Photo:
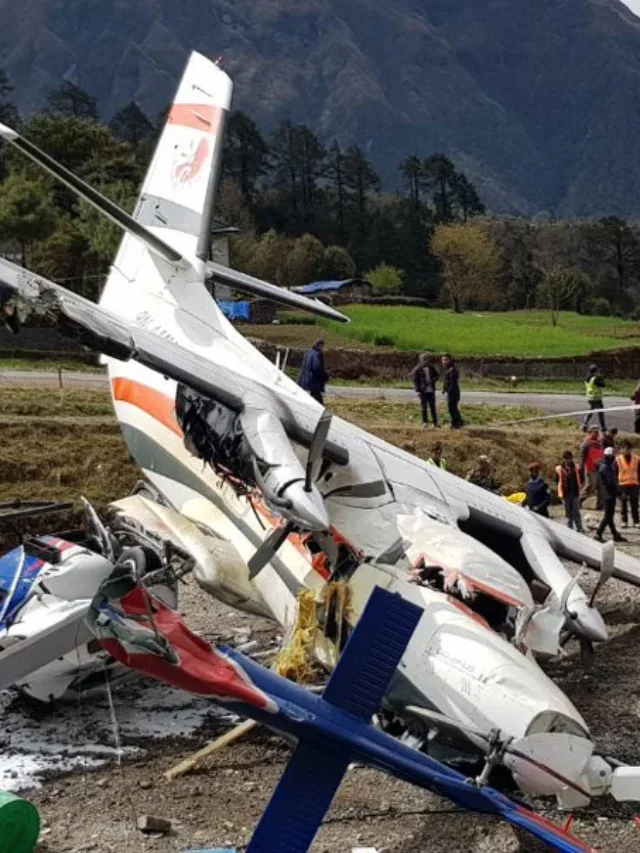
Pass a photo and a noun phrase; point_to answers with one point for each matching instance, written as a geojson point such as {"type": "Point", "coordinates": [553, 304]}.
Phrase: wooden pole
{"type": "Point", "coordinates": [194, 760]}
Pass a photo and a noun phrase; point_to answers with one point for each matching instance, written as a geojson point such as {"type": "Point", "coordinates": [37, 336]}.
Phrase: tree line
{"type": "Point", "coordinates": [309, 209]}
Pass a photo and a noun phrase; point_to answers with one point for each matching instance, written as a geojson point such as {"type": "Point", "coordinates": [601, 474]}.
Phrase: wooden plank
{"type": "Point", "coordinates": [191, 763]}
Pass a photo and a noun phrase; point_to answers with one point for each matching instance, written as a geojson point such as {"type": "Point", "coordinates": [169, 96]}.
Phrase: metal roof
{"type": "Point", "coordinates": [323, 286]}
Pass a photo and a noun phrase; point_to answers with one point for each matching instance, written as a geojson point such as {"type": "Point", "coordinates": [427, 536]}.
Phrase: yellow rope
{"type": "Point", "coordinates": [295, 662]}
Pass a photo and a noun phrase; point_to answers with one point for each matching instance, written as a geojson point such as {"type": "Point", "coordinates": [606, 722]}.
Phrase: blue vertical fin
{"type": "Point", "coordinates": [372, 654]}
{"type": "Point", "coordinates": [313, 775]}
{"type": "Point", "coordinates": [301, 800]}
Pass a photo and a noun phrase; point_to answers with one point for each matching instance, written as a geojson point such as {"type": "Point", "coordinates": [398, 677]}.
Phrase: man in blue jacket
{"type": "Point", "coordinates": [538, 496]}
{"type": "Point", "coordinates": [313, 376]}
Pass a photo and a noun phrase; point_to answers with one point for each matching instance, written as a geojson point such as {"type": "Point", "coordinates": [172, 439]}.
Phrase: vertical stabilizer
{"type": "Point", "coordinates": [175, 205]}
{"type": "Point", "coordinates": [178, 192]}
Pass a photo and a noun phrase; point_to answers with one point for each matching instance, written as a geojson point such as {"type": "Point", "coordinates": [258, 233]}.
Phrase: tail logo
{"type": "Point", "coordinates": [189, 165]}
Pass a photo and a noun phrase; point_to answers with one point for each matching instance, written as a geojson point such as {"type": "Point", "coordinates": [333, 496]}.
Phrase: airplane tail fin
{"type": "Point", "coordinates": [178, 192]}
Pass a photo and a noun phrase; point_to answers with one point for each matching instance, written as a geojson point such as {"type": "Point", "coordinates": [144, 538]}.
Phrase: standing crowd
{"type": "Point", "coordinates": [609, 473]}
{"type": "Point", "coordinates": [605, 471]}
{"type": "Point", "coordinates": [425, 378]}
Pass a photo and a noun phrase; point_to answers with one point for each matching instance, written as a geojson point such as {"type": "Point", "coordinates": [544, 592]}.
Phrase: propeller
{"type": "Point", "coordinates": [276, 538]}
{"type": "Point", "coordinates": [316, 449]}
{"type": "Point", "coordinates": [270, 546]}
{"type": "Point", "coordinates": [497, 748]}
{"type": "Point", "coordinates": [607, 561]}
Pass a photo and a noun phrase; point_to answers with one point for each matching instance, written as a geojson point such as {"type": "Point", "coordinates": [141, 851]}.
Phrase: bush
{"type": "Point", "coordinates": [296, 319]}
{"type": "Point", "coordinates": [384, 341]}
{"type": "Point", "coordinates": [386, 279]}
{"type": "Point", "coordinates": [598, 307]}
{"type": "Point", "coordinates": [414, 301]}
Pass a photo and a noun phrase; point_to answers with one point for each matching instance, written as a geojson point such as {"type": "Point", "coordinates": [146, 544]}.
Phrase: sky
{"type": "Point", "coordinates": [634, 5]}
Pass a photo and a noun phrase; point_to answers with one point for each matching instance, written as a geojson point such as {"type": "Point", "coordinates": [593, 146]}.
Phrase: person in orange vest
{"type": "Point", "coordinates": [569, 484]}
{"type": "Point", "coordinates": [591, 455]}
{"type": "Point", "coordinates": [629, 481]}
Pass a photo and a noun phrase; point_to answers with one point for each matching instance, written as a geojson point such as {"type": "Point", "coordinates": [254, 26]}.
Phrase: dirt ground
{"type": "Point", "coordinates": [95, 810]}
{"type": "Point", "coordinates": [220, 804]}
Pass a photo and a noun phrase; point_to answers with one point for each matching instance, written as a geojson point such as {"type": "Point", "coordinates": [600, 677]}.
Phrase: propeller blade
{"type": "Point", "coordinates": [516, 753]}
{"type": "Point", "coordinates": [316, 449]}
{"type": "Point", "coordinates": [606, 568]}
{"type": "Point", "coordinates": [267, 551]}
{"type": "Point", "coordinates": [566, 592]}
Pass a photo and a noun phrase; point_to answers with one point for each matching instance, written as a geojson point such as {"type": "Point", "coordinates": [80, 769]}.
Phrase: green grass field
{"type": "Point", "coordinates": [517, 333]}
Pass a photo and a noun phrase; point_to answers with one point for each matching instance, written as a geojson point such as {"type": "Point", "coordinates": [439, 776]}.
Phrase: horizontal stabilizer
{"type": "Point", "coordinates": [254, 286]}
{"type": "Point", "coordinates": [67, 633]}
{"type": "Point", "coordinates": [104, 205]}
{"type": "Point", "coordinates": [372, 654]}
{"type": "Point", "coordinates": [300, 802]}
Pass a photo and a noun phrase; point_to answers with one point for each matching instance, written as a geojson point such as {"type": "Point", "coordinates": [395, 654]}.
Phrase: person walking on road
{"type": "Point", "coordinates": [425, 378]}
{"type": "Point", "coordinates": [610, 489]}
{"type": "Point", "coordinates": [451, 387]}
{"type": "Point", "coordinates": [635, 399]}
{"type": "Point", "coordinates": [313, 376]}
{"type": "Point", "coordinates": [594, 385]}
{"type": "Point", "coordinates": [629, 482]}
{"type": "Point", "coordinates": [437, 459]}
{"type": "Point", "coordinates": [590, 458]}
{"type": "Point", "coordinates": [538, 497]}
{"type": "Point", "coordinates": [569, 484]}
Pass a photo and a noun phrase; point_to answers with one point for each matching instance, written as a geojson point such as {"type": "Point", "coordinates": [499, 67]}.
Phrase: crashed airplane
{"type": "Point", "coordinates": [237, 454]}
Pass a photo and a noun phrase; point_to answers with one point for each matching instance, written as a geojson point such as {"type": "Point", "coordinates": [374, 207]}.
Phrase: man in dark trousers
{"type": "Point", "coordinates": [569, 484]}
{"type": "Point", "coordinates": [594, 384]}
{"type": "Point", "coordinates": [313, 376]}
{"type": "Point", "coordinates": [425, 378]}
{"type": "Point", "coordinates": [451, 387]}
{"type": "Point", "coordinates": [538, 496]}
{"type": "Point", "coordinates": [635, 399]}
{"type": "Point", "coordinates": [609, 489]}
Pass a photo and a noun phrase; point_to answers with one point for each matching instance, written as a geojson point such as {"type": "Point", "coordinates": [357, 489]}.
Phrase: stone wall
{"type": "Point", "coordinates": [394, 365]}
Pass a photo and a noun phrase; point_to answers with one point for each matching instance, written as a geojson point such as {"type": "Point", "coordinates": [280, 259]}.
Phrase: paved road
{"type": "Point", "coordinates": [550, 403]}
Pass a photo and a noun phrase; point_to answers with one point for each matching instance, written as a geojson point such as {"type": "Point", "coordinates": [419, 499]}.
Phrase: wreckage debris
{"type": "Point", "coordinates": [19, 824]}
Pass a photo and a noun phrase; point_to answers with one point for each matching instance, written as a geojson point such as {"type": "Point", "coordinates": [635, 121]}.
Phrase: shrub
{"type": "Point", "coordinates": [384, 341]}
{"type": "Point", "coordinates": [386, 279]}
{"type": "Point", "coordinates": [296, 319]}
{"type": "Point", "coordinates": [598, 307]}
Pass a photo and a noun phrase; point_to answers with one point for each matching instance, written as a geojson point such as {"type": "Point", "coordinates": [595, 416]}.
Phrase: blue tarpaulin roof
{"type": "Point", "coordinates": [323, 286]}
{"type": "Point", "coordinates": [235, 310]}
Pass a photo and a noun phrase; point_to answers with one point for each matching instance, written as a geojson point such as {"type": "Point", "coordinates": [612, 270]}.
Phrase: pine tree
{"type": "Point", "coordinates": [245, 158]}
{"type": "Point", "coordinates": [67, 99]}
{"type": "Point", "coordinates": [132, 126]}
{"type": "Point", "coordinates": [439, 175]}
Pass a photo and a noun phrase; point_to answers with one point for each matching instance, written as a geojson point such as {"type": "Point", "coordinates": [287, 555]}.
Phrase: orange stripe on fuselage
{"type": "Point", "coordinates": [202, 117]}
{"type": "Point", "coordinates": [154, 403]}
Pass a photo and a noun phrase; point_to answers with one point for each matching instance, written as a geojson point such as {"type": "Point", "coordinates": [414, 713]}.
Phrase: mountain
{"type": "Point", "coordinates": [538, 101]}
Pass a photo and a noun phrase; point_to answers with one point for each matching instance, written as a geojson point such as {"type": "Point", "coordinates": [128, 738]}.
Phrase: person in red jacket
{"type": "Point", "coordinates": [591, 455]}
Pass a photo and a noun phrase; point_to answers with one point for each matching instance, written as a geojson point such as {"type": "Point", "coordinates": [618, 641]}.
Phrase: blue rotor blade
{"type": "Point", "coordinates": [300, 802]}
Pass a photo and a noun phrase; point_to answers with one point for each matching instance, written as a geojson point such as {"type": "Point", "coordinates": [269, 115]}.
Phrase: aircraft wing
{"type": "Point", "coordinates": [24, 295]}
{"type": "Point", "coordinates": [581, 549]}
